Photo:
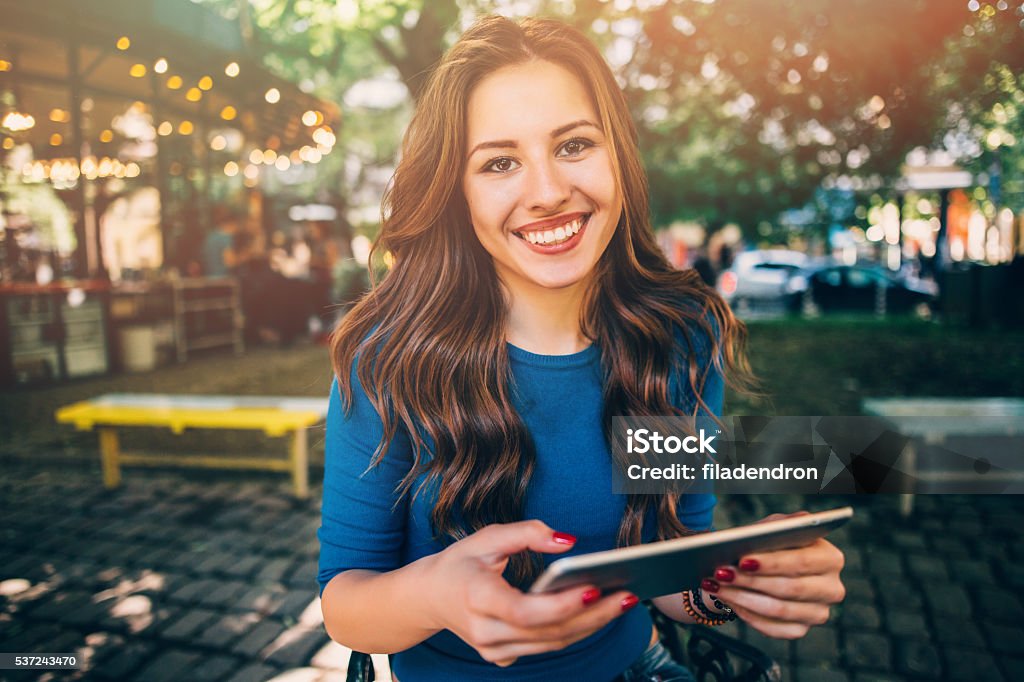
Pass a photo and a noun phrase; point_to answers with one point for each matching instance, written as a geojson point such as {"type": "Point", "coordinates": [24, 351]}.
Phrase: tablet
{"type": "Point", "coordinates": [669, 566]}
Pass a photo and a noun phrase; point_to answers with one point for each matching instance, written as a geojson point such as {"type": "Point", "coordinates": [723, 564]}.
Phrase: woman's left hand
{"type": "Point", "coordinates": [785, 592]}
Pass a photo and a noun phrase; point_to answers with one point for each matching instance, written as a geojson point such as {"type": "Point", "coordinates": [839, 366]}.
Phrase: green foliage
{"type": "Point", "coordinates": [982, 79]}
{"type": "Point", "coordinates": [744, 107]}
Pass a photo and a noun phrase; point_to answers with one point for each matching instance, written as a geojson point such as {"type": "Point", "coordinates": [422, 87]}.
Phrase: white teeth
{"type": "Point", "coordinates": [559, 234]}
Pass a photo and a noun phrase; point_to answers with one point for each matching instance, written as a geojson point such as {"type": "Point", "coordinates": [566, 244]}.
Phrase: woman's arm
{"type": "Point", "coordinates": [462, 589]}
{"type": "Point", "coordinates": [379, 612]}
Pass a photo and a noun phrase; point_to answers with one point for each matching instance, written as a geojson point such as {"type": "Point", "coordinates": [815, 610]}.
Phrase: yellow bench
{"type": "Point", "coordinates": [275, 416]}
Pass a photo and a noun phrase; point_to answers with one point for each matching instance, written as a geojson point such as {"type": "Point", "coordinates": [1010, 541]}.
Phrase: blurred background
{"type": "Point", "coordinates": [189, 190]}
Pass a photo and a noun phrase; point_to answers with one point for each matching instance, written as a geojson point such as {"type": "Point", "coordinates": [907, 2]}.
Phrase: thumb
{"type": "Point", "coordinates": [501, 540]}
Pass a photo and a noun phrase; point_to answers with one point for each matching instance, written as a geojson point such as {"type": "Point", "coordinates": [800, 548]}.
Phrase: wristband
{"type": "Point", "coordinates": [698, 618]}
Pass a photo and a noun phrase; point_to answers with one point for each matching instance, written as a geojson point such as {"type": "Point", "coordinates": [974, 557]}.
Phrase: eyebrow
{"type": "Point", "coordinates": [511, 144]}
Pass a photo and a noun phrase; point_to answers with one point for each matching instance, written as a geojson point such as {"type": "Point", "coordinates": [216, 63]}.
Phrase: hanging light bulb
{"type": "Point", "coordinates": [17, 122]}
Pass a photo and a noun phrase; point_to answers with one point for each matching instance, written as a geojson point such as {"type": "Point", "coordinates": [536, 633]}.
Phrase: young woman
{"type": "Point", "coordinates": [467, 440]}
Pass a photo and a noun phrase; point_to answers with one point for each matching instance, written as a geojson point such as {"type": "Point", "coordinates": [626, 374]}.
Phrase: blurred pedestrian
{"type": "Point", "coordinates": [219, 251]}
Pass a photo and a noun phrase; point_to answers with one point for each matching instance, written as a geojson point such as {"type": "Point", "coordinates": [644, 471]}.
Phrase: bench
{"type": "Point", "coordinates": [275, 416]}
{"type": "Point", "coordinates": [937, 422]}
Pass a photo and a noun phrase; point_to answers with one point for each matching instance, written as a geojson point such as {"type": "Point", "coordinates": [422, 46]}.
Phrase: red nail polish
{"type": "Point", "coordinates": [591, 596]}
{"type": "Point", "coordinates": [709, 585]}
{"type": "Point", "coordinates": [750, 565]}
{"type": "Point", "coordinates": [726, 575]}
{"type": "Point", "coordinates": [629, 602]}
{"type": "Point", "coordinates": [564, 538]}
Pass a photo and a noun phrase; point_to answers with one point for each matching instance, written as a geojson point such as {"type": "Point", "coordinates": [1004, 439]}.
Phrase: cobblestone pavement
{"type": "Point", "coordinates": [210, 576]}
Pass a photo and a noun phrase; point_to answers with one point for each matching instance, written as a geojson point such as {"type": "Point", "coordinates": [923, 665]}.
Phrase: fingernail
{"type": "Point", "coordinates": [750, 565]}
{"type": "Point", "coordinates": [709, 585]}
{"type": "Point", "coordinates": [726, 575]}
{"type": "Point", "coordinates": [564, 539]}
{"type": "Point", "coordinates": [629, 602]}
{"type": "Point", "coordinates": [591, 596]}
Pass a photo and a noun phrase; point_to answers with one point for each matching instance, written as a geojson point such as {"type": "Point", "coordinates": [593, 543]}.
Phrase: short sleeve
{"type": "Point", "coordinates": [360, 525]}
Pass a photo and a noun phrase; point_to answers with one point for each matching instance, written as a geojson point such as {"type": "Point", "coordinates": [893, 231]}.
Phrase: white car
{"type": "Point", "coordinates": [758, 278]}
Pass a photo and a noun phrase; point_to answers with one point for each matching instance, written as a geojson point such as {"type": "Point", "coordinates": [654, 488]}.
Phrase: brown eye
{"type": "Point", "coordinates": [575, 147]}
{"type": "Point", "coordinates": [501, 165]}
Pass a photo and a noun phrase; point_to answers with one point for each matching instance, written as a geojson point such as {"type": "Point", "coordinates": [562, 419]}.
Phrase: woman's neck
{"type": "Point", "coordinates": [547, 322]}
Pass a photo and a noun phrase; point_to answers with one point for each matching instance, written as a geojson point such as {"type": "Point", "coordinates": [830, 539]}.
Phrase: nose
{"type": "Point", "coordinates": [547, 189]}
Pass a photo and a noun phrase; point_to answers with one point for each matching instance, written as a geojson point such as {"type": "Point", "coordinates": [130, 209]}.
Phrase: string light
{"type": "Point", "coordinates": [5, 65]}
{"type": "Point", "coordinates": [256, 156]}
{"type": "Point", "coordinates": [309, 119]}
{"type": "Point", "coordinates": [59, 116]}
{"type": "Point", "coordinates": [165, 129]}
{"type": "Point", "coordinates": [231, 169]}
{"type": "Point", "coordinates": [273, 95]}
{"type": "Point", "coordinates": [205, 83]}
{"type": "Point", "coordinates": [283, 163]}
{"type": "Point", "coordinates": [56, 140]}
{"type": "Point", "coordinates": [123, 43]}
{"type": "Point", "coordinates": [8, 143]}
{"type": "Point", "coordinates": [194, 94]}
{"type": "Point", "coordinates": [160, 66]}
{"type": "Point", "coordinates": [106, 136]}
{"type": "Point", "coordinates": [17, 122]}
{"type": "Point", "coordinates": [252, 171]}
{"type": "Point", "coordinates": [218, 143]}
{"type": "Point", "coordinates": [132, 170]}
{"type": "Point", "coordinates": [232, 69]}
{"type": "Point", "coordinates": [185, 127]}
{"type": "Point", "coordinates": [269, 156]}
{"type": "Point", "coordinates": [228, 113]}
{"type": "Point", "coordinates": [174, 82]}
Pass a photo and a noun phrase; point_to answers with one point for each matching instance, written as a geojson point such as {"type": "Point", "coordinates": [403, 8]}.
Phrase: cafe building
{"type": "Point", "coordinates": [123, 125]}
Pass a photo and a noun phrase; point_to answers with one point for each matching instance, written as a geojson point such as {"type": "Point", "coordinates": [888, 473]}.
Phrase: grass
{"type": "Point", "coordinates": [827, 366]}
{"type": "Point", "coordinates": [808, 367]}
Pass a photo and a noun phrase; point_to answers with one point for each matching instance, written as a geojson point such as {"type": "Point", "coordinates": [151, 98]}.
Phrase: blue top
{"type": "Point", "coordinates": [560, 399]}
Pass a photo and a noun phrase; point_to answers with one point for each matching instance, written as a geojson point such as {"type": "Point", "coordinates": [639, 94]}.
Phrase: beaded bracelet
{"type": "Point", "coordinates": [727, 612]}
{"type": "Point", "coordinates": [722, 606]}
{"type": "Point", "coordinates": [698, 602]}
{"type": "Point", "coordinates": [698, 618]}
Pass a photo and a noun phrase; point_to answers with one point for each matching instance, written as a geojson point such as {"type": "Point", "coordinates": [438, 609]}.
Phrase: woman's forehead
{"type": "Point", "coordinates": [524, 101]}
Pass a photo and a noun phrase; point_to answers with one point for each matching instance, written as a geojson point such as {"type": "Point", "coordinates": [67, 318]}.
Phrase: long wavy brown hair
{"type": "Point", "coordinates": [428, 340]}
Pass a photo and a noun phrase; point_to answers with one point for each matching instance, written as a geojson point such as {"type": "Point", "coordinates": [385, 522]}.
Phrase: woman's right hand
{"type": "Point", "coordinates": [468, 595]}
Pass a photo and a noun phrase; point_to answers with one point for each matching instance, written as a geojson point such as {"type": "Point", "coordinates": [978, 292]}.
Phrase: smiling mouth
{"type": "Point", "coordinates": [556, 235]}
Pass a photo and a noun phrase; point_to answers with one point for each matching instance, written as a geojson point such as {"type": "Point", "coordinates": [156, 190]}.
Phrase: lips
{"type": "Point", "coordinates": [553, 231]}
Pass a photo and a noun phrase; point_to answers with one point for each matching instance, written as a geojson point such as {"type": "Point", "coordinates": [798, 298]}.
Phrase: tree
{"type": "Point", "coordinates": [746, 106]}
{"type": "Point", "coordinates": [982, 81]}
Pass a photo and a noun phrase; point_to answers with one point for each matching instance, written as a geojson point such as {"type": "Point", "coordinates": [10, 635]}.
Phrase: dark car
{"type": "Point", "coordinates": [858, 289]}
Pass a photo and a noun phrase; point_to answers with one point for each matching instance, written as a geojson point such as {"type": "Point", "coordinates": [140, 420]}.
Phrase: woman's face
{"type": "Point", "coordinates": [539, 179]}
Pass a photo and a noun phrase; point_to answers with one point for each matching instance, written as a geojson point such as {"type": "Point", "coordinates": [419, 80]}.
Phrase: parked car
{"type": "Point", "coordinates": [758, 278]}
{"type": "Point", "coordinates": [858, 288]}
